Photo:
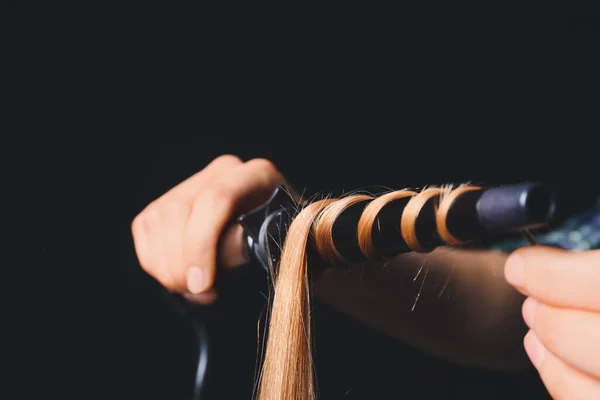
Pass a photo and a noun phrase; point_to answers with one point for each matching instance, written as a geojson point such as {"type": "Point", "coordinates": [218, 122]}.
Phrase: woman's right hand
{"type": "Point", "coordinates": [183, 236]}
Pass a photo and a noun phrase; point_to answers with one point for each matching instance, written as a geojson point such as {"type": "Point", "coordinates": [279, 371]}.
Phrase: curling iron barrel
{"type": "Point", "coordinates": [416, 222]}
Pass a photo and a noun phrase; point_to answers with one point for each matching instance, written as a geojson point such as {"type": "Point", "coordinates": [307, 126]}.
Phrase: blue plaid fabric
{"type": "Point", "coordinates": [581, 232]}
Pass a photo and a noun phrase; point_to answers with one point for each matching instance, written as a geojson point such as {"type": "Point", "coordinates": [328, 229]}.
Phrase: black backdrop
{"type": "Point", "coordinates": [111, 106]}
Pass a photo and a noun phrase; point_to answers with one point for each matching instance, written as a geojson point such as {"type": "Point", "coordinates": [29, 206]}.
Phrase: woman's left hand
{"type": "Point", "coordinates": [562, 311]}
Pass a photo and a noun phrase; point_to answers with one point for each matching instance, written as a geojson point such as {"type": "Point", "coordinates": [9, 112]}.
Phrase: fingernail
{"type": "Point", "coordinates": [196, 280]}
{"type": "Point", "coordinates": [513, 270]}
{"type": "Point", "coordinates": [202, 298]}
{"type": "Point", "coordinates": [529, 307]}
{"type": "Point", "coordinates": [534, 348]}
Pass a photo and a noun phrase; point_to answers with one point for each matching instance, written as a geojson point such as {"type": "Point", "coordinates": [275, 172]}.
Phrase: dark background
{"type": "Point", "coordinates": [111, 105]}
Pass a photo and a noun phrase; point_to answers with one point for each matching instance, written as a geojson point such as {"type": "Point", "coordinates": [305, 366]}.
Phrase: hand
{"type": "Point", "coordinates": [563, 313]}
{"type": "Point", "coordinates": [180, 239]}
{"type": "Point", "coordinates": [416, 297]}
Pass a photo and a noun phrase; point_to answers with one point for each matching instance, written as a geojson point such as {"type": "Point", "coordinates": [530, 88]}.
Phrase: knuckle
{"type": "Point", "coordinates": [142, 221]}
{"type": "Point", "coordinates": [141, 228]}
{"type": "Point", "coordinates": [228, 158]}
{"type": "Point", "coordinates": [263, 164]}
{"type": "Point", "coordinates": [151, 212]}
{"type": "Point", "coordinates": [266, 168]}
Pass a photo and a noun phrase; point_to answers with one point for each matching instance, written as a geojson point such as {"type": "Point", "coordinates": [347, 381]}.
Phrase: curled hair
{"type": "Point", "coordinates": [368, 220]}
{"type": "Point", "coordinates": [323, 227]}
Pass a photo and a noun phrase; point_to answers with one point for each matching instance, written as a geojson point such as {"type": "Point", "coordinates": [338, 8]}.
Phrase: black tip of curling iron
{"type": "Point", "coordinates": [521, 206]}
{"type": "Point", "coordinates": [501, 209]}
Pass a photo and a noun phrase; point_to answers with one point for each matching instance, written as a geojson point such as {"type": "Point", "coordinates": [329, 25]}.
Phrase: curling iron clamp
{"type": "Point", "coordinates": [472, 214]}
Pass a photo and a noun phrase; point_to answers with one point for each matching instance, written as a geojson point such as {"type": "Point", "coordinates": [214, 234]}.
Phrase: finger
{"type": "Point", "coordinates": [232, 253]}
{"type": "Point", "coordinates": [232, 248]}
{"type": "Point", "coordinates": [572, 335]}
{"type": "Point", "coordinates": [240, 189]}
{"type": "Point", "coordinates": [166, 242]}
{"type": "Point", "coordinates": [558, 277]}
{"type": "Point", "coordinates": [155, 233]}
{"type": "Point", "coordinates": [561, 380]}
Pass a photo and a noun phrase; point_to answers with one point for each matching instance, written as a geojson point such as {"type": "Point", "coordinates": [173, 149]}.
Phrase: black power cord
{"type": "Point", "coordinates": [247, 280]}
{"type": "Point", "coordinates": [203, 357]}
{"type": "Point", "coordinates": [194, 314]}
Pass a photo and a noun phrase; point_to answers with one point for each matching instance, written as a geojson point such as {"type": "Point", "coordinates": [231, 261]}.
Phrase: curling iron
{"type": "Point", "coordinates": [471, 214]}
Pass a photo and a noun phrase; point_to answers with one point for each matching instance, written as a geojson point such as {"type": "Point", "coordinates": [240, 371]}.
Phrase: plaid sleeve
{"type": "Point", "coordinates": [581, 232]}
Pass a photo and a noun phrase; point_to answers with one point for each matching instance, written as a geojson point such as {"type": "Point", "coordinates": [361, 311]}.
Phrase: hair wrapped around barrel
{"type": "Point", "coordinates": [361, 227]}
